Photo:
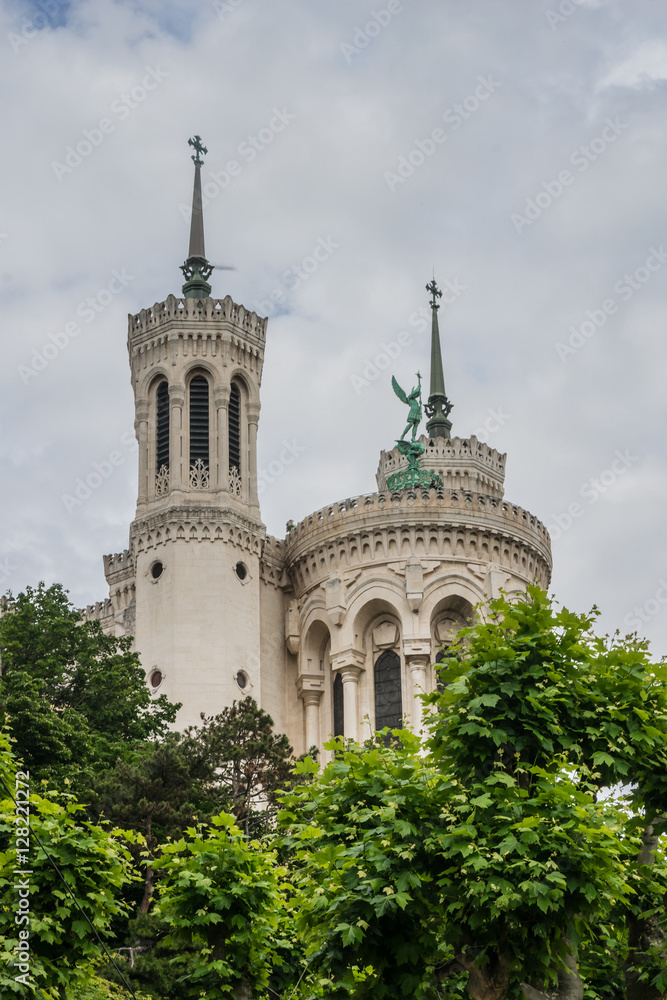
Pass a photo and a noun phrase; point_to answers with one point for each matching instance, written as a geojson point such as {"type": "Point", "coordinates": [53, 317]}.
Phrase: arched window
{"type": "Point", "coordinates": [235, 429]}
{"type": "Point", "coordinates": [162, 442]}
{"type": "Point", "coordinates": [199, 453]}
{"type": "Point", "coordinates": [440, 683]}
{"type": "Point", "coordinates": [338, 710]}
{"type": "Point", "coordinates": [388, 701]}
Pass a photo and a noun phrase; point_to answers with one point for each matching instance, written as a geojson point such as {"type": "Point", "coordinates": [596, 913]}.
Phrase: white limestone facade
{"type": "Point", "coordinates": [335, 628]}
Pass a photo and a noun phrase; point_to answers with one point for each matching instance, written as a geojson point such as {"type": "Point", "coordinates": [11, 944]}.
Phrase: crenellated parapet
{"type": "Point", "coordinates": [183, 313]}
{"type": "Point", "coordinates": [118, 567]}
{"type": "Point", "coordinates": [272, 564]}
{"type": "Point", "coordinates": [446, 525]}
{"type": "Point", "coordinates": [462, 464]}
{"type": "Point", "coordinates": [101, 611]}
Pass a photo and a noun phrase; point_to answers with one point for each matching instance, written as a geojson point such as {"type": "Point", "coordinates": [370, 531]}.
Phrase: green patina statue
{"type": "Point", "coordinates": [414, 401]}
{"type": "Point", "coordinates": [414, 475]}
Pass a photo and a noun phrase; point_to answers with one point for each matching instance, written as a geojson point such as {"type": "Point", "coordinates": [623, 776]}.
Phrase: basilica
{"type": "Point", "coordinates": [333, 629]}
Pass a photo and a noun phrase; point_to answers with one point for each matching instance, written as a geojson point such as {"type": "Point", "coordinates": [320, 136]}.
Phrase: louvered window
{"type": "Point", "coordinates": [338, 713]}
{"type": "Point", "coordinates": [235, 429]}
{"type": "Point", "coordinates": [388, 702]}
{"type": "Point", "coordinates": [162, 444]}
{"type": "Point", "coordinates": [199, 421]}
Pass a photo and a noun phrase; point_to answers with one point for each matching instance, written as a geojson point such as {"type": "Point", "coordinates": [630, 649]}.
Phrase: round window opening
{"type": "Point", "coordinates": [241, 570]}
{"type": "Point", "coordinates": [157, 569]}
{"type": "Point", "coordinates": [156, 678]}
{"type": "Point", "coordinates": [242, 679]}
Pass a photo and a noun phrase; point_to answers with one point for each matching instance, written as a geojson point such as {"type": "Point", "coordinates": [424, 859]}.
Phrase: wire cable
{"type": "Point", "coordinates": [76, 902]}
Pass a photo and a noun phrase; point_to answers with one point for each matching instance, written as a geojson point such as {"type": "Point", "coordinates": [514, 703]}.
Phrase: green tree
{"type": "Point", "coordinates": [495, 860]}
{"type": "Point", "coordinates": [232, 762]}
{"type": "Point", "coordinates": [223, 894]}
{"type": "Point", "coordinates": [533, 688]}
{"type": "Point", "coordinates": [74, 698]}
{"type": "Point", "coordinates": [36, 908]}
{"type": "Point", "coordinates": [251, 762]}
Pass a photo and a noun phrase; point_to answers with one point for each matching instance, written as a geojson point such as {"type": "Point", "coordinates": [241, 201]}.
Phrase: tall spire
{"type": "Point", "coordinates": [438, 406]}
{"type": "Point", "coordinates": [197, 269]}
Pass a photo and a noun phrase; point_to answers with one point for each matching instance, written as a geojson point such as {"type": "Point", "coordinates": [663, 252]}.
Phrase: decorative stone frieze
{"type": "Point", "coordinates": [438, 524]}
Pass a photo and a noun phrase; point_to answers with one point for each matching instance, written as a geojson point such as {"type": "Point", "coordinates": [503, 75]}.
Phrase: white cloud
{"type": "Point", "coordinates": [323, 176]}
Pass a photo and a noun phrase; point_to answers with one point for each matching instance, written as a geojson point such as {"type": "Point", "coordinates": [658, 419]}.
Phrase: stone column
{"type": "Point", "coordinates": [311, 688]}
{"type": "Point", "coordinates": [349, 663]}
{"type": "Point", "coordinates": [176, 443]}
{"type": "Point", "coordinates": [418, 665]}
{"type": "Point", "coordinates": [221, 403]}
{"type": "Point", "coordinates": [350, 677]}
{"type": "Point", "coordinates": [417, 652]}
{"type": "Point", "coordinates": [141, 431]}
{"type": "Point", "coordinates": [253, 420]}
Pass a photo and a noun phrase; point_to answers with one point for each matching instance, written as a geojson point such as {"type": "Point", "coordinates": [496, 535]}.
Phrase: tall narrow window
{"type": "Point", "coordinates": [199, 457]}
{"type": "Point", "coordinates": [162, 439]}
{"type": "Point", "coordinates": [388, 702]}
{"type": "Point", "coordinates": [338, 712]}
{"type": "Point", "coordinates": [235, 428]}
{"type": "Point", "coordinates": [235, 481]}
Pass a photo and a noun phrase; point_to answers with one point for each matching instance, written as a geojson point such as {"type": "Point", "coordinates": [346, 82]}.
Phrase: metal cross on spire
{"type": "Point", "coordinates": [196, 144]}
{"type": "Point", "coordinates": [435, 293]}
{"type": "Point", "coordinates": [197, 269]}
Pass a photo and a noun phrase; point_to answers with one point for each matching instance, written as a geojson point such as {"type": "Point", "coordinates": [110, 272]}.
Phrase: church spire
{"type": "Point", "coordinates": [438, 406]}
{"type": "Point", "coordinates": [197, 269]}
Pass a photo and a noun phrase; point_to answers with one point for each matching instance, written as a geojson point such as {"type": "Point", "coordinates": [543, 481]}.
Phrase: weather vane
{"type": "Point", "coordinates": [196, 144]}
{"type": "Point", "coordinates": [435, 294]}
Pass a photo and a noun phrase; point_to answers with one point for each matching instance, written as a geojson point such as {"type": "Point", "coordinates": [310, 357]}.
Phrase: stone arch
{"type": "Point", "coordinates": [379, 620]}
{"type": "Point", "coordinates": [315, 681]}
{"type": "Point", "coordinates": [246, 385]}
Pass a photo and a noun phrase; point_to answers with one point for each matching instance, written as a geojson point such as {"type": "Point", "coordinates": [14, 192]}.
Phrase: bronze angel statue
{"type": "Point", "coordinates": [414, 401]}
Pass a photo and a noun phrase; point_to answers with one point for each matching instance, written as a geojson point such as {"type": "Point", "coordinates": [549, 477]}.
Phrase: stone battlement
{"type": "Point", "coordinates": [100, 611]}
{"type": "Point", "coordinates": [438, 523]}
{"type": "Point", "coordinates": [462, 464]}
{"type": "Point", "coordinates": [175, 312]}
{"type": "Point", "coordinates": [119, 566]}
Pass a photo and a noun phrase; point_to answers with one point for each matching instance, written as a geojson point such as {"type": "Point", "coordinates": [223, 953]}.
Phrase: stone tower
{"type": "Point", "coordinates": [193, 563]}
{"type": "Point", "coordinates": [335, 629]}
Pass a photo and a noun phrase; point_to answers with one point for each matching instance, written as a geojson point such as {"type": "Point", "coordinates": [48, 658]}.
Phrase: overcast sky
{"type": "Point", "coordinates": [519, 148]}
